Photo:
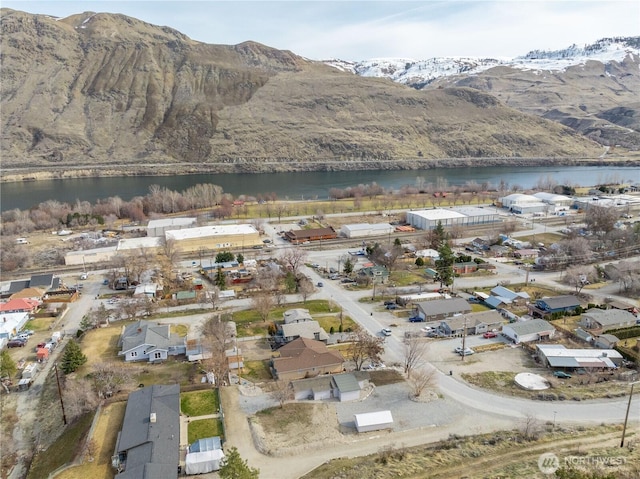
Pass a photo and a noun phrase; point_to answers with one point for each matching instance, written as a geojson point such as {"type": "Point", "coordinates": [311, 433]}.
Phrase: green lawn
{"type": "Point", "coordinates": [333, 320]}
{"type": "Point", "coordinates": [39, 324]}
{"type": "Point", "coordinates": [406, 278]}
{"type": "Point", "coordinates": [199, 403]}
{"type": "Point", "coordinates": [250, 324]}
{"type": "Point", "coordinates": [63, 450]}
{"type": "Point", "coordinates": [204, 428]}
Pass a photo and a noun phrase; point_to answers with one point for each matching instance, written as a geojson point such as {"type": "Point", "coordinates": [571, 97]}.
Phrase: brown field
{"type": "Point", "coordinates": [104, 437]}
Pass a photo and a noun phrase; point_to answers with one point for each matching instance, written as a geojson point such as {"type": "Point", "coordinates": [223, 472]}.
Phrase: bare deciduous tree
{"type": "Point", "coordinates": [579, 276]}
{"type": "Point", "coordinates": [293, 258]}
{"type": "Point", "coordinates": [601, 219]}
{"type": "Point", "coordinates": [305, 288]}
{"type": "Point", "coordinates": [282, 392]}
{"type": "Point", "coordinates": [109, 378]}
{"type": "Point", "coordinates": [363, 347]}
{"type": "Point", "coordinates": [217, 338]}
{"type": "Point", "coordinates": [421, 379]}
{"type": "Point", "coordinates": [263, 303]}
{"type": "Point", "coordinates": [414, 350]}
{"type": "Point", "coordinates": [78, 397]}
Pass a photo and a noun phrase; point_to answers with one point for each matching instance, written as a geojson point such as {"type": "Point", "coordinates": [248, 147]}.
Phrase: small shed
{"type": "Point", "coordinates": [373, 421]}
{"type": "Point", "coordinates": [204, 455]}
{"type": "Point", "coordinates": [606, 341]}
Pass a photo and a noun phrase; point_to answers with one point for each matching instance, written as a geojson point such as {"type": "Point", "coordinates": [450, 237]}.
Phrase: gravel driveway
{"type": "Point", "coordinates": [407, 414]}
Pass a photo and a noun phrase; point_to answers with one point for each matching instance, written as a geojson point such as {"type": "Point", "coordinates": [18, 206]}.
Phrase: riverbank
{"type": "Point", "coordinates": [260, 166]}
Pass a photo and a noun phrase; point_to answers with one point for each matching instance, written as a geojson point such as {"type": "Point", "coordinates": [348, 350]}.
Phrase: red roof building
{"type": "Point", "coordinates": [21, 305]}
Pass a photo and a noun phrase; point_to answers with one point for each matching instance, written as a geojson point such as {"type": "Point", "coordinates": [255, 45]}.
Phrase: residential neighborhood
{"type": "Point", "coordinates": [191, 350]}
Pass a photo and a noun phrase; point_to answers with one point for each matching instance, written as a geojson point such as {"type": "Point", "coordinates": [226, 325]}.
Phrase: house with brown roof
{"type": "Point", "coordinates": [305, 358]}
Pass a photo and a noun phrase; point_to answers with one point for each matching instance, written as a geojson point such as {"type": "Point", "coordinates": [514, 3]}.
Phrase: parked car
{"type": "Point", "coordinates": [416, 319]}
{"type": "Point", "coordinates": [266, 241]}
{"type": "Point", "coordinates": [334, 276]}
{"type": "Point", "coordinates": [386, 332]}
{"type": "Point", "coordinates": [28, 332]}
{"type": "Point", "coordinates": [561, 375]}
{"type": "Point", "coordinates": [84, 276]}
{"type": "Point", "coordinates": [23, 337]}
{"type": "Point", "coordinates": [387, 303]}
{"type": "Point", "coordinates": [16, 343]}
{"type": "Point", "coordinates": [466, 352]}
{"type": "Point", "coordinates": [105, 282]}
{"type": "Point", "coordinates": [489, 334]}
{"type": "Point", "coordinates": [320, 285]}
{"type": "Point", "coordinates": [392, 306]}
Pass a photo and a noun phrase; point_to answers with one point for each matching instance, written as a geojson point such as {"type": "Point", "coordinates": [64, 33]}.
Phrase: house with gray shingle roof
{"type": "Point", "coordinates": [607, 319]}
{"type": "Point", "coordinates": [304, 329]}
{"type": "Point", "coordinates": [442, 308]}
{"type": "Point", "coordinates": [527, 331]}
{"type": "Point", "coordinates": [475, 323]}
{"type": "Point", "coordinates": [146, 341]}
{"type": "Point", "coordinates": [148, 445]}
{"type": "Point", "coordinates": [557, 304]}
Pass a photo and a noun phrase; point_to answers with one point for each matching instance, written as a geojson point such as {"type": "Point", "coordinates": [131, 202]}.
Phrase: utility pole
{"type": "Point", "coordinates": [64, 416]}
{"type": "Point", "coordinates": [626, 416]}
{"type": "Point", "coordinates": [464, 338]}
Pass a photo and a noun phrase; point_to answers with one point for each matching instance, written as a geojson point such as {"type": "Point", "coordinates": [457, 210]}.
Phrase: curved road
{"type": "Point", "coordinates": [586, 412]}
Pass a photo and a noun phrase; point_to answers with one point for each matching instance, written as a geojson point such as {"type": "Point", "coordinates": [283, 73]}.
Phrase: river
{"type": "Point", "coordinates": [302, 185]}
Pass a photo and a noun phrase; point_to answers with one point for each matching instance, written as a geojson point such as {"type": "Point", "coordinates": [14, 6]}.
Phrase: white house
{"type": "Point", "coordinates": [145, 341]}
{"type": "Point", "coordinates": [527, 331]}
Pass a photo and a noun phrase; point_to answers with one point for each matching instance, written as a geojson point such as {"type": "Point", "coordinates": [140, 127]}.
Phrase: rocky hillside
{"type": "Point", "coordinates": [594, 89]}
{"type": "Point", "coordinates": [109, 91]}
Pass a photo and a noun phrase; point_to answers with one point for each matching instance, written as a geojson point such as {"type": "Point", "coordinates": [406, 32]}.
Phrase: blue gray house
{"type": "Point", "coordinates": [558, 304]}
{"type": "Point", "coordinates": [148, 444]}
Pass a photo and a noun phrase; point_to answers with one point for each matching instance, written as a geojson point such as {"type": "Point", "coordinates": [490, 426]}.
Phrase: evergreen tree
{"type": "Point", "coordinates": [235, 467]}
{"type": "Point", "coordinates": [8, 366]}
{"type": "Point", "coordinates": [444, 264]}
{"type": "Point", "coordinates": [419, 262]}
{"type": "Point", "coordinates": [224, 257]}
{"type": "Point", "coordinates": [348, 266]}
{"type": "Point", "coordinates": [290, 282]}
{"type": "Point", "coordinates": [220, 279]}
{"type": "Point", "coordinates": [240, 258]}
{"type": "Point", "coordinates": [72, 358]}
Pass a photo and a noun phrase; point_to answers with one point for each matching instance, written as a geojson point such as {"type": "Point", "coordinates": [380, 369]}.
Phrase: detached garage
{"type": "Point", "coordinates": [373, 421]}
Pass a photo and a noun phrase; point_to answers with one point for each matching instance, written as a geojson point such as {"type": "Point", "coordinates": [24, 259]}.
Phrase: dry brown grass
{"type": "Point", "coordinates": [100, 345]}
{"type": "Point", "coordinates": [105, 435]}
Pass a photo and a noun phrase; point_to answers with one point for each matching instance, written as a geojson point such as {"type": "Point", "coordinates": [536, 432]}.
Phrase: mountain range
{"type": "Point", "coordinates": [98, 93]}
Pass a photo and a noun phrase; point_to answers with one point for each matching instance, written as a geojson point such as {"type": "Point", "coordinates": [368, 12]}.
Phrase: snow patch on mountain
{"type": "Point", "coordinates": [418, 73]}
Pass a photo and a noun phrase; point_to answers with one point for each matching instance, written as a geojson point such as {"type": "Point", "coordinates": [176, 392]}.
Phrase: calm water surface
{"type": "Point", "coordinates": [295, 186]}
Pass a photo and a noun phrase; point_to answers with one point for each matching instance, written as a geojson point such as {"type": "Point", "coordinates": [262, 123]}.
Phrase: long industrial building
{"type": "Point", "coordinates": [467, 216]}
{"type": "Point", "coordinates": [215, 237]}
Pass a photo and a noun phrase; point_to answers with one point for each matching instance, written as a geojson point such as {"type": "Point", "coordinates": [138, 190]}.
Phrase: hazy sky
{"type": "Point", "coordinates": [359, 30]}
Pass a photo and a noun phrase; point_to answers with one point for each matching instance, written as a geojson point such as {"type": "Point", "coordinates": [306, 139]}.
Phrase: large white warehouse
{"type": "Point", "coordinates": [361, 230]}
{"type": "Point", "coordinates": [428, 219]}
{"type": "Point", "coordinates": [521, 203]}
